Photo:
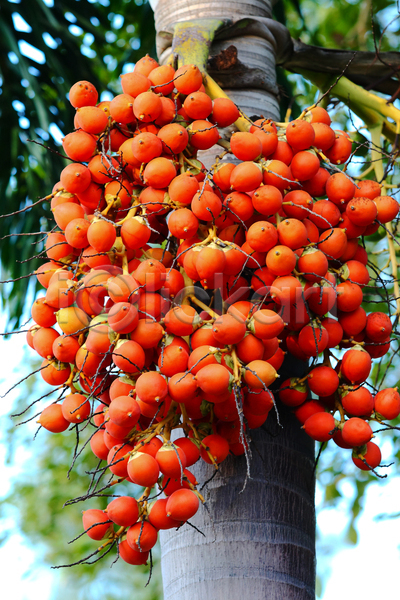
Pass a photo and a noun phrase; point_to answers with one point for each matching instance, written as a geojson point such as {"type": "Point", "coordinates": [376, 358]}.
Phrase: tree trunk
{"type": "Point", "coordinates": [258, 543]}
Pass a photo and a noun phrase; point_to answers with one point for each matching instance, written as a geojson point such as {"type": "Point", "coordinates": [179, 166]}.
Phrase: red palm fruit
{"type": "Point", "coordinates": [262, 280]}
{"type": "Point", "coordinates": [352, 231]}
{"type": "Point", "coordinates": [101, 235]}
{"type": "Point", "coordinates": [147, 333]}
{"type": "Point", "coordinates": [324, 136]}
{"type": "Point", "coordinates": [235, 260]}
{"type": "Point", "coordinates": [323, 380]}
{"type": "Point", "coordinates": [305, 410]}
{"type": "Point", "coordinates": [270, 347]}
{"type": "Point", "coordinates": [199, 358]}
{"type": "Point", "coordinates": [145, 65]}
{"type": "Point", "coordinates": [320, 115]}
{"type": "Point", "coordinates": [134, 84]}
{"type": "Point", "coordinates": [361, 255]}
{"type": "Point", "coordinates": [217, 446]}
{"type": "Point", "coordinates": [75, 178]}
{"type": "Point", "coordinates": [182, 188]}
{"type": "Point", "coordinates": [258, 402]}
{"type": "Point", "coordinates": [147, 107]}
{"type": "Point", "coordinates": [206, 205]}
{"type": "Point", "coordinates": [182, 387]}
{"type": "Point", "coordinates": [150, 273]}
{"type": "Point", "coordinates": [103, 168]}
{"type": "Point", "coordinates": [123, 317]}
{"type": "Point", "coordinates": [240, 206]}
{"type": "Point", "coordinates": [130, 556]}
{"type": "Point", "coordinates": [213, 379]}
{"type": "Point", "coordinates": [358, 403]}
{"type": "Point", "coordinates": [229, 330]}
{"type": "Point", "coordinates": [126, 154]}
{"type": "Point", "coordinates": [245, 177]}
{"type": "Point", "coordinates": [203, 135]}
{"type": "Point", "coordinates": [369, 459]}
{"type": "Point", "coordinates": [124, 411]}
{"type": "Point", "coordinates": [65, 348]}
{"type": "Point", "coordinates": [191, 450]}
{"type": "Point", "coordinates": [60, 294]}
{"type": "Point", "coordinates": [277, 174]}
{"type": "Point", "coordinates": [143, 469]}
{"type": "Point", "coordinates": [263, 125]}
{"type": "Point", "coordinates": [96, 524]}
{"type": "Point", "coordinates": [151, 447]}
{"type": "Point", "coordinates": [91, 119]}
{"type": "Point", "coordinates": [52, 419]}
{"type": "Point", "coordinates": [250, 348]}
{"type": "Point", "coordinates": [335, 331]}
{"type": "Point", "coordinates": [79, 146]}
{"type": "Point", "coordinates": [254, 421]}
{"type": "Point", "coordinates": [146, 146]}
{"type": "Point", "coordinates": [246, 146]}
{"type": "Point", "coordinates": [183, 224]}
{"type": "Point", "coordinates": [203, 337]}
{"type": "Point", "coordinates": [142, 536]}
{"type": "Point", "coordinates": [222, 176]}
{"type": "Point", "coordinates": [333, 242]}
{"type": "Point", "coordinates": [283, 153]}
{"type": "Point", "coordinates": [340, 188]}
{"type": "Point", "coordinates": [286, 290]}
{"type": "Point", "coordinates": [188, 79]}
{"type": "Point", "coordinates": [377, 349]}
{"type": "Point", "coordinates": [266, 324]}
{"type": "Point", "coordinates": [325, 214]}
{"type": "Point", "coordinates": [157, 514]}
{"type": "Point", "coordinates": [304, 165]}
{"type": "Point", "coordinates": [173, 359]}
{"type": "Point", "coordinates": [120, 388]}
{"type": "Point", "coordinates": [281, 260]}
{"type": "Point", "coordinates": [181, 320]}
{"type": "Point", "coordinates": [129, 356]}
{"type": "Point", "coordinates": [256, 259]}
{"type": "Point", "coordinates": [42, 313]}
{"type": "Point", "coordinates": [292, 393]}
{"type": "Point", "coordinates": [356, 432]}
{"type": "Point", "coordinates": [367, 188]}
{"type": "Point", "coordinates": [123, 288]}
{"type": "Point", "coordinates": [45, 272]}
{"type": "Point", "coordinates": [387, 208]}
{"type": "Point", "coordinates": [298, 204]}
{"type": "Point", "coordinates": [316, 186]}
{"type": "Point", "coordinates": [321, 298]}
{"type": "Point", "coordinates": [174, 138]}
{"type": "Point", "coordinates": [123, 511]}
{"type": "Point", "coordinates": [75, 408]}
{"type": "Point", "coordinates": [320, 426]}
{"type": "Point", "coordinates": [300, 134]}
{"type": "Point", "coordinates": [269, 142]}
{"type": "Point", "coordinates": [76, 233]}
{"type": "Point", "coordinates": [224, 112]}
{"type": "Point", "coordinates": [182, 505]}
{"type": "Point", "coordinates": [159, 173]}
{"type": "Point", "coordinates": [340, 150]}
{"type": "Point", "coordinates": [92, 197]}
{"type": "Point", "coordinates": [152, 304]}
{"type": "Point", "coordinates": [378, 326]}
{"type": "Point", "coordinates": [356, 365]}
{"type": "Point", "coordinates": [349, 296]}
{"type": "Point", "coordinates": [135, 233]}
{"type": "Point", "coordinates": [262, 236]}
{"type": "Point", "coordinates": [259, 374]}
{"type": "Point", "coordinates": [292, 233]}
{"type": "Point", "coordinates": [83, 93]}
{"type": "Point", "coordinates": [162, 79]}
{"type": "Point", "coordinates": [209, 262]}
{"type": "Point", "coordinates": [313, 265]}
{"type": "Point", "coordinates": [119, 192]}
{"type": "Point", "coordinates": [313, 339]}
{"type": "Point", "coordinates": [171, 460]}
{"type": "Point", "coordinates": [387, 403]}
{"type": "Point", "coordinates": [353, 322]}
{"type": "Point", "coordinates": [43, 339]}
{"type": "Point", "coordinates": [53, 373]}
{"type": "Point", "coordinates": [361, 211]}
{"type": "Point", "coordinates": [230, 430]}
{"type": "Point", "coordinates": [88, 362]}
{"type": "Point", "coordinates": [98, 446]}
{"type": "Point", "coordinates": [351, 249]}
{"type": "Point", "coordinates": [57, 248]}
{"type": "Point", "coordinates": [151, 387]}
{"type": "Point", "coordinates": [312, 231]}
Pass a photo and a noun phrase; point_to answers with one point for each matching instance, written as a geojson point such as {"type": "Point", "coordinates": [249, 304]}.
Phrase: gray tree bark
{"type": "Point", "coordinates": [258, 543]}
